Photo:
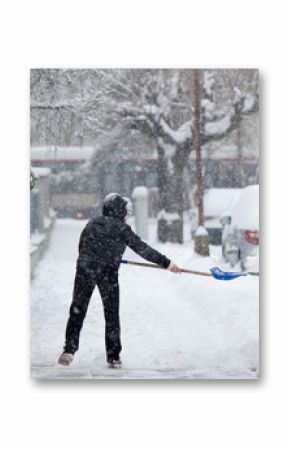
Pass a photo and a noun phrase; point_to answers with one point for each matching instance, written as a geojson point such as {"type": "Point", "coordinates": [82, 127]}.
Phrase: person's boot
{"type": "Point", "coordinates": [114, 363]}
{"type": "Point", "coordinates": [65, 359]}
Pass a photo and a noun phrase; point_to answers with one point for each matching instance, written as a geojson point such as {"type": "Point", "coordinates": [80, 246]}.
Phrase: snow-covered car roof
{"type": "Point", "coordinates": [245, 209]}
{"type": "Point", "coordinates": [217, 201]}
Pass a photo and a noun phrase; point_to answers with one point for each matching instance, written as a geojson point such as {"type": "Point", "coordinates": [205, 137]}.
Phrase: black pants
{"type": "Point", "coordinates": [106, 278]}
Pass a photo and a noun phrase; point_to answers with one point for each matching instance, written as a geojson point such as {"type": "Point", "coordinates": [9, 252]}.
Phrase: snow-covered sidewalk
{"type": "Point", "coordinates": [173, 326]}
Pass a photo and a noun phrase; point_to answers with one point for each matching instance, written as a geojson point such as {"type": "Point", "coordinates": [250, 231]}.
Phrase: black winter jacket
{"type": "Point", "coordinates": [104, 240]}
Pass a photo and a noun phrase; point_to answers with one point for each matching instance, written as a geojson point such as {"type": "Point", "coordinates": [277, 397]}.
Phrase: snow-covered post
{"type": "Point", "coordinates": [201, 241]}
{"type": "Point", "coordinates": [140, 203]}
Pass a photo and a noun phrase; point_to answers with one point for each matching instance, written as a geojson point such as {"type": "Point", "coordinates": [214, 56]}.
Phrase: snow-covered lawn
{"type": "Point", "coordinates": [173, 326]}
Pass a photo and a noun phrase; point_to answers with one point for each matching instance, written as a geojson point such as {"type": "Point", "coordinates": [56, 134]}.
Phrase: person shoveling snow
{"type": "Point", "coordinates": [101, 246]}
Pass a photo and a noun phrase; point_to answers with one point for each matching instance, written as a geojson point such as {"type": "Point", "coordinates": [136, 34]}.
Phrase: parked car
{"type": "Point", "coordinates": [216, 202]}
{"type": "Point", "coordinates": [240, 237]}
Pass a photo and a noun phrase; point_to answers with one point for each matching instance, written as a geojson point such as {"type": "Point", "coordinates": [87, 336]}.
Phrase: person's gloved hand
{"type": "Point", "coordinates": [174, 268]}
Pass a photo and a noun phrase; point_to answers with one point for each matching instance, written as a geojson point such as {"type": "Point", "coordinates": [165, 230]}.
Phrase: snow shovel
{"type": "Point", "coordinates": [215, 272]}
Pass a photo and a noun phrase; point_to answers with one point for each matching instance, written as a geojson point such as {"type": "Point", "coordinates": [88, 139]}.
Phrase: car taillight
{"type": "Point", "coordinates": [252, 236]}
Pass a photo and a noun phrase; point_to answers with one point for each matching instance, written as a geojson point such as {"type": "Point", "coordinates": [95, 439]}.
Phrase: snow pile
{"type": "Point", "coordinates": [224, 339]}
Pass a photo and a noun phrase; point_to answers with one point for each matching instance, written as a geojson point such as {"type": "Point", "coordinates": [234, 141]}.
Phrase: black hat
{"type": "Point", "coordinates": [115, 205]}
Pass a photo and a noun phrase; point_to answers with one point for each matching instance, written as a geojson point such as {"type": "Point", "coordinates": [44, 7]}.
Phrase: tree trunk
{"type": "Point", "coordinates": [242, 180]}
{"type": "Point", "coordinates": [179, 199]}
{"type": "Point", "coordinates": [171, 190]}
{"type": "Point", "coordinates": [163, 179]}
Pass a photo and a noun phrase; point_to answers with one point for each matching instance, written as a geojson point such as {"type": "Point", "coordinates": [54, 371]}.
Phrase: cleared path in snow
{"type": "Point", "coordinates": [173, 326]}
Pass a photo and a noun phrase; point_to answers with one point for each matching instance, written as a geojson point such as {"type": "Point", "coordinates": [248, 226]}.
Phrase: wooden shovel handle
{"type": "Point", "coordinates": [149, 265]}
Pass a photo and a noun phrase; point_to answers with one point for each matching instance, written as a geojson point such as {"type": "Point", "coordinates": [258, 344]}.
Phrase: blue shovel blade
{"type": "Point", "coordinates": [225, 275]}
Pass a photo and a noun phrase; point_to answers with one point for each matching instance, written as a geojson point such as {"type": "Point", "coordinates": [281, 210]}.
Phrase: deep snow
{"type": "Point", "coordinates": [173, 326]}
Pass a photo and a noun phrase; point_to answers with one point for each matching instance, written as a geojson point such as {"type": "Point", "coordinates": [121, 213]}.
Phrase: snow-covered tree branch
{"type": "Point", "coordinates": [77, 106]}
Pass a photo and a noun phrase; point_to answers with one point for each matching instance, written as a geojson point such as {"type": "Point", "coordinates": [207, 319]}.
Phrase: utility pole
{"type": "Point", "coordinates": [201, 235]}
